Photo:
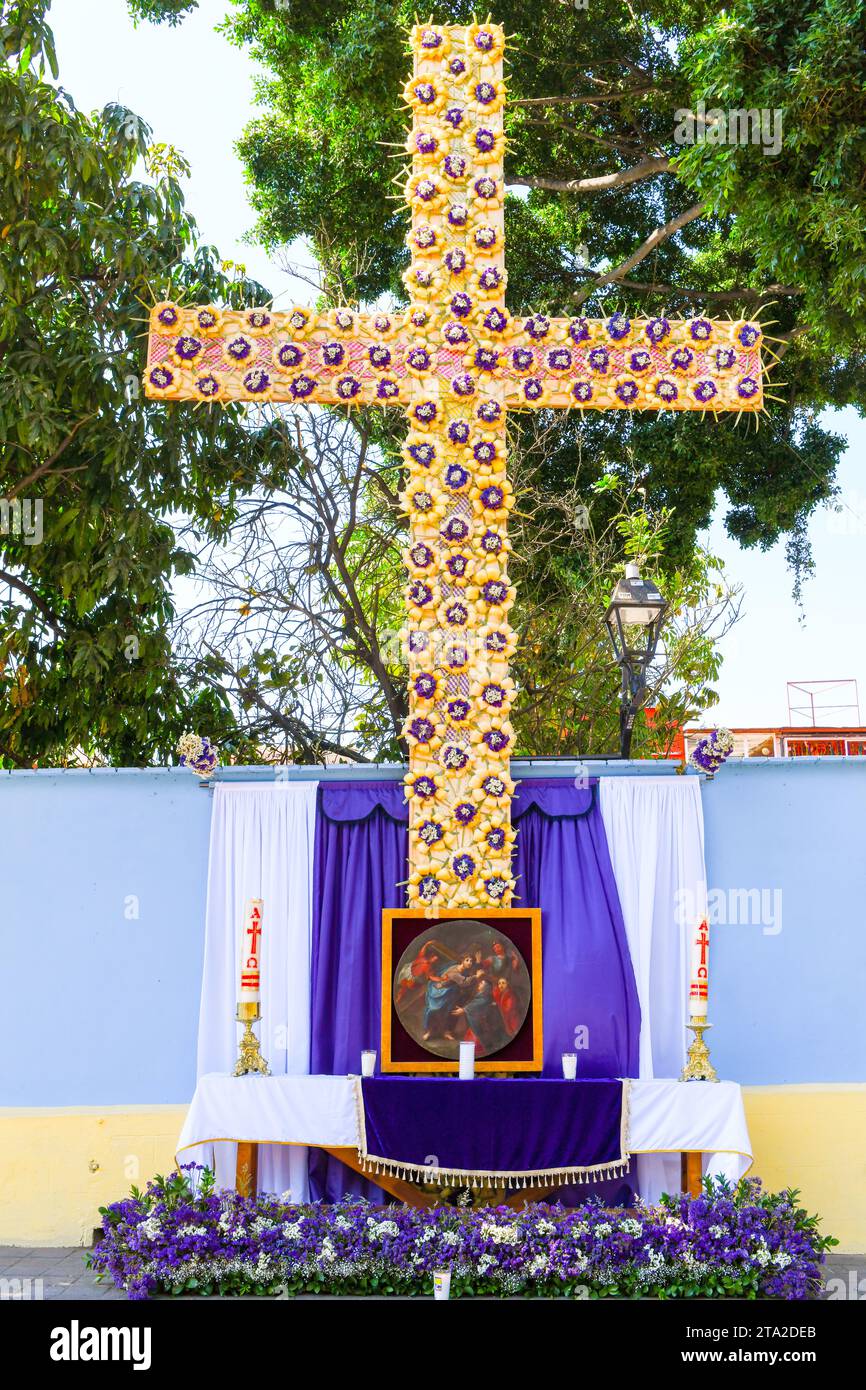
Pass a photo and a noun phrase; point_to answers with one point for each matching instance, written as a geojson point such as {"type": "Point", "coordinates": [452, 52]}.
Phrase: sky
{"type": "Point", "coordinates": [153, 71]}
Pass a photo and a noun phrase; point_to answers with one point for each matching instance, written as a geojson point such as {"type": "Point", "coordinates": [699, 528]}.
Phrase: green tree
{"type": "Point", "coordinates": [90, 471]}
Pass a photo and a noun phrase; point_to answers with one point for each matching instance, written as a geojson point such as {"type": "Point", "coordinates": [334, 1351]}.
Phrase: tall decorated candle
{"type": "Point", "coordinates": [700, 975]}
{"type": "Point", "coordinates": [251, 952]}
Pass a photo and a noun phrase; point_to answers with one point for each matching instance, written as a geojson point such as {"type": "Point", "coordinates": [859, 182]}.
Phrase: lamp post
{"type": "Point", "coordinates": [634, 619]}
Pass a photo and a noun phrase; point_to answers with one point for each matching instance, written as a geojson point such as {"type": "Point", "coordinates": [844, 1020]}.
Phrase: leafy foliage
{"type": "Point", "coordinates": [85, 661]}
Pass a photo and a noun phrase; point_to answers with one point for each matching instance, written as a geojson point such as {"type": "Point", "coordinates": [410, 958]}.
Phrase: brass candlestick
{"type": "Point", "coordinates": [249, 1055]}
{"type": "Point", "coordinates": [698, 1066]}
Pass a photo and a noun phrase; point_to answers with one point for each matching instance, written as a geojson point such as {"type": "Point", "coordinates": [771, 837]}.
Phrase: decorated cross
{"type": "Point", "coordinates": [456, 361]}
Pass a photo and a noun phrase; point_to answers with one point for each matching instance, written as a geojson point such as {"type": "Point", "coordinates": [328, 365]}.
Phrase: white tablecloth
{"type": "Point", "coordinates": [667, 1117]}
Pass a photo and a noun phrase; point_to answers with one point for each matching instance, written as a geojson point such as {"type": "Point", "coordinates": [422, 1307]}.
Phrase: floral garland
{"type": "Point", "coordinates": [183, 1236]}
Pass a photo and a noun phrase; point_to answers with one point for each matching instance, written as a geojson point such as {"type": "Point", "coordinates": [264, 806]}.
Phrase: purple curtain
{"type": "Point", "coordinates": [563, 867]}
{"type": "Point", "coordinates": [360, 857]}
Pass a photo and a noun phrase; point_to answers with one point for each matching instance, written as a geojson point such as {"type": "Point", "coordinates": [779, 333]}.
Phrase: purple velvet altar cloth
{"type": "Point", "coordinates": [514, 1131]}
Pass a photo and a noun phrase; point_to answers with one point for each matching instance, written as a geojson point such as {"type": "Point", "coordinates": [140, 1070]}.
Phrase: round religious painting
{"type": "Point", "coordinates": [461, 982]}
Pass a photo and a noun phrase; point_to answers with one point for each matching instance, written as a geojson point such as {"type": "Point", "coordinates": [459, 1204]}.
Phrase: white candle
{"type": "Point", "coordinates": [569, 1066]}
{"type": "Point", "coordinates": [368, 1063]}
{"type": "Point", "coordinates": [467, 1061]}
{"type": "Point", "coordinates": [250, 989]}
{"type": "Point", "coordinates": [441, 1284]}
{"type": "Point", "coordinates": [700, 976]}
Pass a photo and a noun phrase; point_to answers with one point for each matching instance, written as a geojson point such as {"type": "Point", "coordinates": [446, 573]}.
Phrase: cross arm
{"type": "Point", "coordinates": [203, 353]}
{"type": "Point", "coordinates": [634, 364]}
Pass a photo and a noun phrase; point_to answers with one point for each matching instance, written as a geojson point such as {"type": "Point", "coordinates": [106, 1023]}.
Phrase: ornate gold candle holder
{"type": "Point", "coordinates": [249, 1055]}
{"type": "Point", "coordinates": [698, 1067]}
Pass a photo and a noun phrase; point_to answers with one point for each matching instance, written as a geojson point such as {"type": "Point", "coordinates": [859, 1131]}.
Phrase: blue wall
{"type": "Point", "coordinates": [788, 1006]}
{"type": "Point", "coordinates": [101, 1007]}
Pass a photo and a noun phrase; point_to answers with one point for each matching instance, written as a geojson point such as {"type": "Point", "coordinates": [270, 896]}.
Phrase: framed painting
{"type": "Point", "coordinates": [470, 976]}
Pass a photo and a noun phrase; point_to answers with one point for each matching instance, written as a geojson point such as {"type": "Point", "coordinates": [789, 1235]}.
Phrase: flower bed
{"type": "Point", "coordinates": [183, 1236]}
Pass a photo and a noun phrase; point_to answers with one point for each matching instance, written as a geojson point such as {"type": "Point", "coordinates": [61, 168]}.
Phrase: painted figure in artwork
{"type": "Point", "coordinates": [471, 985]}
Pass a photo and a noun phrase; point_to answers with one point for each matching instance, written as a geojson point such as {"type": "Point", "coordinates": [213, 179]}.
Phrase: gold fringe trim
{"type": "Point", "coordinates": [495, 1177]}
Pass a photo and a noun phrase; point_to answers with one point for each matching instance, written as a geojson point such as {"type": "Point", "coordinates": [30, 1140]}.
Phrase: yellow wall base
{"type": "Point", "coordinates": [814, 1138]}
{"type": "Point", "coordinates": [57, 1167]}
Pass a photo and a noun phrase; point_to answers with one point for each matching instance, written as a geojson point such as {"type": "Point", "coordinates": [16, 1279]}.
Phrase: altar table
{"type": "Point", "coordinates": [702, 1120]}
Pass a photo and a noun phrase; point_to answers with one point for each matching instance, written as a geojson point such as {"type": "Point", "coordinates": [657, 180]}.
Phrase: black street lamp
{"type": "Point", "coordinates": [634, 619]}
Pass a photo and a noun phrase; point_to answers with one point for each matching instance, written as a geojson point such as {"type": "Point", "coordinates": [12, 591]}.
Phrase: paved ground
{"type": "Point", "coordinates": [64, 1276]}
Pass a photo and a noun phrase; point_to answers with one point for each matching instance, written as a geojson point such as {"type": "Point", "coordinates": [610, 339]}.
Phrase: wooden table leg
{"type": "Point", "coordinates": [691, 1173]}
{"type": "Point", "coordinates": [247, 1170]}
{"type": "Point", "coordinates": [405, 1192]}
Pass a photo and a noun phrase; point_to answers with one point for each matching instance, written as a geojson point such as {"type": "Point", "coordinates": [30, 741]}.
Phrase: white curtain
{"type": "Point", "coordinates": [655, 834]}
{"type": "Point", "coordinates": [261, 846]}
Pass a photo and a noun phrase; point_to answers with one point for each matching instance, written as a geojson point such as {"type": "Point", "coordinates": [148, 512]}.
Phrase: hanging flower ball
{"type": "Point", "coordinates": [197, 753]}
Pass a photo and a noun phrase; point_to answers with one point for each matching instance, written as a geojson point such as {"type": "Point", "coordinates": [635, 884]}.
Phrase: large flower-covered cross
{"type": "Point", "coordinates": [456, 361]}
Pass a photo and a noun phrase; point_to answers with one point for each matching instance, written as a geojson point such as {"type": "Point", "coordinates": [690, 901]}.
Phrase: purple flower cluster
{"type": "Point", "coordinates": [182, 1235]}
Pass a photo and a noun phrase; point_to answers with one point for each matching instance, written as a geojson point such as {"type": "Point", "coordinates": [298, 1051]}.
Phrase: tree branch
{"type": "Point", "coordinates": [589, 99]}
{"type": "Point", "coordinates": [715, 296]}
{"type": "Point", "coordinates": [653, 240]}
{"type": "Point", "coordinates": [39, 603]}
{"type": "Point", "coordinates": [646, 169]}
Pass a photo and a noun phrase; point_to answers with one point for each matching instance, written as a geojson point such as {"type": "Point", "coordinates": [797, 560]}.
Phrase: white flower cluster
{"type": "Point", "coordinates": [191, 747]}
{"type": "Point", "coordinates": [500, 1235]}
{"type": "Point", "coordinates": [379, 1229]}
